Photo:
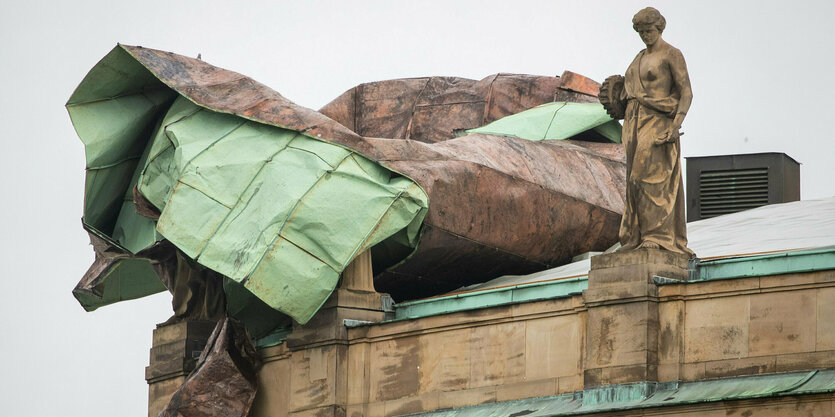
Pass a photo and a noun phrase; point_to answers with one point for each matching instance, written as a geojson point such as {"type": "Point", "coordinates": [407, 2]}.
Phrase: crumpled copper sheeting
{"type": "Point", "coordinates": [501, 205]}
{"type": "Point", "coordinates": [433, 109]}
{"type": "Point", "coordinates": [143, 206]}
{"type": "Point", "coordinates": [229, 92]}
{"type": "Point", "coordinates": [224, 381]}
{"type": "Point", "coordinates": [107, 256]}
{"type": "Point", "coordinates": [498, 205]}
{"type": "Point", "coordinates": [197, 291]}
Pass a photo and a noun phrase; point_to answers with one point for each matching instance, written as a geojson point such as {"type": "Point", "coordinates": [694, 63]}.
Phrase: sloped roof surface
{"type": "Point", "coordinates": [774, 228]}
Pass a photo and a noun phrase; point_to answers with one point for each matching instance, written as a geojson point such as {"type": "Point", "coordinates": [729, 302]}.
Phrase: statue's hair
{"type": "Point", "coordinates": [649, 16]}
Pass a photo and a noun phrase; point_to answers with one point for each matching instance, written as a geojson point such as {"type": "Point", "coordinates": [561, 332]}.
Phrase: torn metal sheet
{"type": "Point", "coordinates": [432, 109]}
{"type": "Point", "coordinates": [277, 211]}
{"type": "Point", "coordinates": [117, 274]}
{"type": "Point", "coordinates": [278, 197]}
{"type": "Point", "coordinates": [555, 121]}
{"type": "Point", "coordinates": [224, 381]}
{"type": "Point", "coordinates": [501, 204]}
{"type": "Point", "coordinates": [272, 209]}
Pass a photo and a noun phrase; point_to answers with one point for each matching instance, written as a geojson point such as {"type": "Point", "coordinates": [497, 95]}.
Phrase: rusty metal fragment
{"type": "Point", "coordinates": [143, 206]}
{"type": "Point", "coordinates": [434, 109]}
{"type": "Point", "coordinates": [501, 205]}
{"type": "Point", "coordinates": [112, 260]}
{"type": "Point", "coordinates": [224, 381]}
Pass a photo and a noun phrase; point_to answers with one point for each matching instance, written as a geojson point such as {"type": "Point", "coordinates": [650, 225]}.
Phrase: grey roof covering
{"type": "Point", "coordinates": [774, 228]}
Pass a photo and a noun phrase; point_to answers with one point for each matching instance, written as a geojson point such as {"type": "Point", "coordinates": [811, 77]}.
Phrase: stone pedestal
{"type": "Point", "coordinates": [175, 350]}
{"type": "Point", "coordinates": [622, 300]}
{"type": "Point", "coordinates": [355, 299]}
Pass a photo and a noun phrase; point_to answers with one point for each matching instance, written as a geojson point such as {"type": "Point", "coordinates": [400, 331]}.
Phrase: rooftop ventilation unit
{"type": "Point", "coordinates": [718, 185]}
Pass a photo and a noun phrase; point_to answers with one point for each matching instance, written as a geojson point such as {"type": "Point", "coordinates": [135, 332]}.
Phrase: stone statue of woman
{"type": "Point", "coordinates": [653, 98]}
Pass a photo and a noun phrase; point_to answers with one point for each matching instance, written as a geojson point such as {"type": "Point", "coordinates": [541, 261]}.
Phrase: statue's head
{"type": "Point", "coordinates": [649, 24]}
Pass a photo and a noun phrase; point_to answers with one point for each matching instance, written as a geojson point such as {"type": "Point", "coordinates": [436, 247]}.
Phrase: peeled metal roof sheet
{"type": "Point", "coordinates": [487, 191]}
{"type": "Point", "coordinates": [278, 210]}
{"type": "Point", "coordinates": [555, 121]}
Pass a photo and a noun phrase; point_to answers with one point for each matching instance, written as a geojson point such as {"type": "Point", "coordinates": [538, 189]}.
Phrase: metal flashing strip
{"type": "Point", "coordinates": [818, 259]}
{"type": "Point", "coordinates": [624, 393]}
{"type": "Point", "coordinates": [652, 395]}
{"type": "Point", "coordinates": [274, 338]}
{"type": "Point", "coordinates": [491, 297]}
{"type": "Point", "coordinates": [799, 261]}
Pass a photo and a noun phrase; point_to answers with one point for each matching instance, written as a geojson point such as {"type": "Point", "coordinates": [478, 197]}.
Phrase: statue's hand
{"type": "Point", "coordinates": [669, 136]}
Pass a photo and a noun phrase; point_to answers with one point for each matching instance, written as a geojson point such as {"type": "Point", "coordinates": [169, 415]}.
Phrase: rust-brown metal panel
{"type": "Point", "coordinates": [432, 109]}
{"type": "Point", "coordinates": [534, 204]}
{"type": "Point", "coordinates": [224, 381]}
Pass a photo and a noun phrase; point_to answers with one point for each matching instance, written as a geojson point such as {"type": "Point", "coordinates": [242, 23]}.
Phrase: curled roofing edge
{"type": "Point", "coordinates": [555, 121]}
{"type": "Point", "coordinates": [208, 174]}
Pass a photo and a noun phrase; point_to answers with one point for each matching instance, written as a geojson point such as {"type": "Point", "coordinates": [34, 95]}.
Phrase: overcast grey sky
{"type": "Point", "coordinates": [760, 72]}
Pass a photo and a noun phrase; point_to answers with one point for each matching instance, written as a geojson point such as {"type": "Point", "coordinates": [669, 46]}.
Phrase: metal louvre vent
{"type": "Point", "coordinates": [724, 184]}
{"type": "Point", "coordinates": [732, 190]}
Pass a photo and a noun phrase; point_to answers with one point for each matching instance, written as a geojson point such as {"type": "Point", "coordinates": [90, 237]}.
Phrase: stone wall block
{"type": "Point", "coordinates": [782, 322]}
{"type": "Point", "coordinates": [273, 397]}
{"type": "Point", "coordinates": [553, 347]}
{"type": "Point", "coordinates": [468, 397]}
{"type": "Point", "coordinates": [527, 389]}
{"type": "Point", "coordinates": [394, 369]}
{"type": "Point", "coordinates": [312, 378]}
{"type": "Point", "coordinates": [825, 323]}
{"type": "Point", "coordinates": [444, 361]}
{"type": "Point", "coordinates": [358, 369]}
{"type": "Point", "coordinates": [716, 329]}
{"type": "Point", "coordinates": [497, 354]}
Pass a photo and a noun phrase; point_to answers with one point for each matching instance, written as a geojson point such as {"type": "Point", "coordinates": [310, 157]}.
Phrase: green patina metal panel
{"type": "Point", "coordinates": [820, 259]}
{"type": "Point", "coordinates": [555, 121]}
{"type": "Point", "coordinates": [276, 211]}
{"type": "Point", "coordinates": [127, 279]}
{"type": "Point", "coordinates": [491, 298]}
{"type": "Point", "coordinates": [820, 382]}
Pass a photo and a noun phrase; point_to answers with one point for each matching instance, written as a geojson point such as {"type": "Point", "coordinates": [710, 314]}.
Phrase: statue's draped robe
{"type": "Point", "coordinates": [654, 211]}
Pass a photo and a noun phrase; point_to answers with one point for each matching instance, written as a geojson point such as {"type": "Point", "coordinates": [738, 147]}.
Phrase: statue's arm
{"type": "Point", "coordinates": [681, 78]}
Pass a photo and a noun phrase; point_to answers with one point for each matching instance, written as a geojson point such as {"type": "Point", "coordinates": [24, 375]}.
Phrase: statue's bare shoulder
{"type": "Point", "coordinates": [674, 56]}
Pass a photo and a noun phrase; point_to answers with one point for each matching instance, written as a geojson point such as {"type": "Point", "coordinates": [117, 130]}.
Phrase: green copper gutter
{"type": "Point", "coordinates": [818, 259]}
{"type": "Point", "coordinates": [491, 298]}
{"type": "Point", "coordinates": [646, 395]}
